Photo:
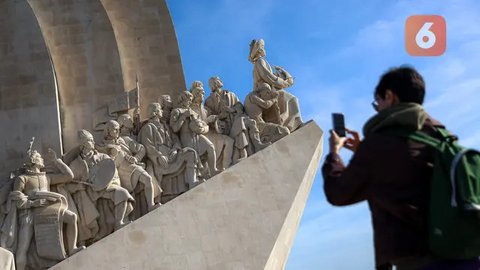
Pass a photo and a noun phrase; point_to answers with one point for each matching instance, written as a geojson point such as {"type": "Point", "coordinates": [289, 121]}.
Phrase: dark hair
{"type": "Point", "coordinates": [405, 82]}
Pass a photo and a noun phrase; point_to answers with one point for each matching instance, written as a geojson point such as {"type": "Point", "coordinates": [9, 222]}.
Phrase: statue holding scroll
{"type": "Point", "coordinates": [41, 214]}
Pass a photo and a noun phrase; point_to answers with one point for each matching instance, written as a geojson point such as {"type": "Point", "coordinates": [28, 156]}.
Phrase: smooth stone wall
{"type": "Point", "coordinates": [28, 102]}
{"type": "Point", "coordinates": [84, 51]}
{"type": "Point", "coordinates": [148, 48]}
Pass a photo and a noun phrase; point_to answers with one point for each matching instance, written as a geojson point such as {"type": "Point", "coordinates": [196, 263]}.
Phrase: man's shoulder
{"type": "Point", "coordinates": [209, 99]}
{"type": "Point", "coordinates": [177, 111]}
{"type": "Point", "coordinates": [22, 178]}
{"type": "Point", "coordinates": [148, 125]}
{"type": "Point", "coordinates": [431, 124]}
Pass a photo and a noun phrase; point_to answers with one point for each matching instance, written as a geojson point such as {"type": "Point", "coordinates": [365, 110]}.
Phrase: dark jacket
{"type": "Point", "coordinates": [393, 174]}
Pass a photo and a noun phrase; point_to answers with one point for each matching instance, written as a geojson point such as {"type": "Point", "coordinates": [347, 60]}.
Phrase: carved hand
{"type": "Point", "coordinates": [289, 81]}
{"type": "Point", "coordinates": [212, 118]}
{"type": "Point", "coordinates": [163, 160]}
{"type": "Point", "coordinates": [51, 199]}
{"type": "Point", "coordinates": [131, 159]}
{"type": "Point", "coordinates": [39, 203]}
{"type": "Point", "coordinates": [172, 154]}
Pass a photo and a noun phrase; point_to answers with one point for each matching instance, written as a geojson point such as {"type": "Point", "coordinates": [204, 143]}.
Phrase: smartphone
{"type": "Point", "coordinates": [339, 124]}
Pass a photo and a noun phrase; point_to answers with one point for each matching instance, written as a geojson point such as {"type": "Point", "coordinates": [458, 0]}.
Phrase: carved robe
{"type": "Point", "coordinates": [98, 214]}
{"type": "Point", "coordinates": [159, 140]}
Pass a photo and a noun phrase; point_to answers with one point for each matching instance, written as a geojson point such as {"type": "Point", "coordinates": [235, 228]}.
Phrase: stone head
{"type": "Point", "coordinates": [34, 159]}
{"type": "Point", "coordinates": [185, 99]}
{"type": "Point", "coordinates": [126, 122]}
{"type": "Point", "coordinates": [155, 110]}
{"type": "Point", "coordinates": [87, 143]}
{"type": "Point", "coordinates": [167, 105]}
{"type": "Point", "coordinates": [265, 91]}
{"type": "Point", "coordinates": [166, 101]}
{"type": "Point", "coordinates": [111, 130]}
{"type": "Point", "coordinates": [198, 92]}
{"type": "Point", "coordinates": [257, 50]}
{"type": "Point", "coordinates": [215, 83]}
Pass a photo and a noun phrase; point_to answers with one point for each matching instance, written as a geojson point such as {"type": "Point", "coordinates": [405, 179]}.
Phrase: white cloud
{"type": "Point", "coordinates": [377, 37]}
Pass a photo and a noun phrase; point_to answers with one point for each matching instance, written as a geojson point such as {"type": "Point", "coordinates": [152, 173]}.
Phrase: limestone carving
{"type": "Point", "coordinates": [278, 80]}
{"type": "Point", "coordinates": [173, 166]}
{"type": "Point", "coordinates": [263, 100]}
{"type": "Point", "coordinates": [167, 107]}
{"type": "Point", "coordinates": [192, 129]}
{"type": "Point", "coordinates": [226, 107]}
{"type": "Point", "coordinates": [220, 102]}
{"type": "Point", "coordinates": [246, 134]}
{"type": "Point", "coordinates": [97, 172]}
{"type": "Point", "coordinates": [34, 226]}
{"type": "Point", "coordinates": [131, 172]}
{"type": "Point", "coordinates": [223, 144]}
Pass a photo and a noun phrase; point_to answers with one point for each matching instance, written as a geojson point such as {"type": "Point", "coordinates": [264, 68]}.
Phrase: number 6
{"type": "Point", "coordinates": [425, 32]}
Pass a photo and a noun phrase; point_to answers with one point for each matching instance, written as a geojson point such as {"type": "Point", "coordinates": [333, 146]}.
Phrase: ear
{"type": "Point", "coordinates": [391, 97]}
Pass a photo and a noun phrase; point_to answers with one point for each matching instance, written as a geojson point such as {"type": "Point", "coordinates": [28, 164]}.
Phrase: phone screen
{"type": "Point", "coordinates": [339, 124]}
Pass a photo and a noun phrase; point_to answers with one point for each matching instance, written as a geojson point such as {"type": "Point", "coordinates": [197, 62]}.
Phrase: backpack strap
{"type": "Point", "coordinates": [453, 169]}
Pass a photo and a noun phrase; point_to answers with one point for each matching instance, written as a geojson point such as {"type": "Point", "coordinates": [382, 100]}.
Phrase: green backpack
{"type": "Point", "coordinates": [454, 218]}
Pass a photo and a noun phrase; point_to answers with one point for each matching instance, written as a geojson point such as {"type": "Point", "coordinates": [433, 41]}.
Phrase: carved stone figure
{"type": "Point", "coordinates": [167, 107]}
{"type": "Point", "coordinates": [223, 144]}
{"type": "Point", "coordinates": [98, 172]}
{"type": "Point", "coordinates": [220, 102]}
{"type": "Point", "coordinates": [192, 130]}
{"type": "Point", "coordinates": [40, 215]}
{"type": "Point", "coordinates": [133, 176]}
{"type": "Point", "coordinates": [245, 133]}
{"type": "Point", "coordinates": [264, 100]}
{"type": "Point", "coordinates": [261, 99]}
{"type": "Point", "coordinates": [126, 133]}
{"type": "Point", "coordinates": [281, 79]}
{"type": "Point", "coordinates": [174, 166]}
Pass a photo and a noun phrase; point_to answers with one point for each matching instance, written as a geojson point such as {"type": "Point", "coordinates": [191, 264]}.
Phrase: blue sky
{"type": "Point", "coordinates": [336, 50]}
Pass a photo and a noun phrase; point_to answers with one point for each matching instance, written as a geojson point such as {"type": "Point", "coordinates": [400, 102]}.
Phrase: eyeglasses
{"type": "Point", "coordinates": [375, 105]}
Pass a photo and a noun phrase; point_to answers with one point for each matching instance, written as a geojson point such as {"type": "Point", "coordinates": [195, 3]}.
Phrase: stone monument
{"type": "Point", "coordinates": [148, 175]}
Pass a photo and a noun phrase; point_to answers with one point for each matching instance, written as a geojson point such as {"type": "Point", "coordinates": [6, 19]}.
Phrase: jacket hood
{"type": "Point", "coordinates": [410, 116]}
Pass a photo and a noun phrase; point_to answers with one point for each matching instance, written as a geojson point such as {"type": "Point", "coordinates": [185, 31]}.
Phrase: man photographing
{"type": "Point", "coordinates": [392, 173]}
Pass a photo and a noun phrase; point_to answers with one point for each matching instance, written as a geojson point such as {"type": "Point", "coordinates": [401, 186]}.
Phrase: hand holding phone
{"type": "Point", "coordinates": [339, 124]}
